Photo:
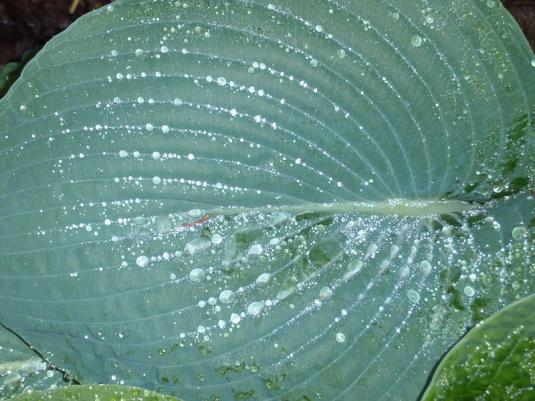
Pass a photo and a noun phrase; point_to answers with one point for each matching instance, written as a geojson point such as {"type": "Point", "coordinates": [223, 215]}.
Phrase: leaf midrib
{"type": "Point", "coordinates": [398, 207]}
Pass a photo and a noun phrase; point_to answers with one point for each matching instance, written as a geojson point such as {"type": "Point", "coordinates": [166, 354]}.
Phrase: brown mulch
{"type": "Point", "coordinates": [28, 24]}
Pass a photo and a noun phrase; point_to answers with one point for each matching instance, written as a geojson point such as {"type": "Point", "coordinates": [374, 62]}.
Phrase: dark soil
{"type": "Point", "coordinates": [28, 24]}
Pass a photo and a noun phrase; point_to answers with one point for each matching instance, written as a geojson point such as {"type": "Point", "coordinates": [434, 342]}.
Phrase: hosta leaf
{"type": "Point", "coordinates": [103, 392]}
{"type": "Point", "coordinates": [495, 361]}
{"type": "Point", "coordinates": [287, 200]}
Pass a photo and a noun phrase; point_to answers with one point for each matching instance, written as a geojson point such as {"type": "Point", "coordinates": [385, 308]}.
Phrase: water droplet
{"type": "Point", "coordinates": [156, 180]}
{"type": "Point", "coordinates": [197, 275]}
{"type": "Point", "coordinates": [123, 153]}
{"type": "Point", "coordinates": [221, 81]}
{"type": "Point", "coordinates": [255, 308]}
{"type": "Point", "coordinates": [319, 28]}
{"type": "Point", "coordinates": [191, 156]}
{"type": "Point", "coordinates": [326, 293]}
{"type": "Point", "coordinates": [163, 225]}
{"type": "Point", "coordinates": [263, 280]}
{"type": "Point", "coordinates": [235, 318]}
{"type": "Point", "coordinates": [285, 293]}
{"type": "Point", "coordinates": [314, 62]}
{"type": "Point", "coordinates": [142, 261]}
{"type": "Point", "coordinates": [165, 129]}
{"type": "Point", "coordinates": [416, 41]}
{"type": "Point", "coordinates": [425, 267]}
{"type": "Point", "coordinates": [353, 268]}
{"type": "Point", "coordinates": [469, 291]}
{"type": "Point", "coordinates": [519, 233]}
{"type": "Point", "coordinates": [340, 337]}
{"type": "Point", "coordinates": [227, 296]}
{"type": "Point", "coordinates": [177, 102]}
{"type": "Point", "coordinates": [413, 296]}
{"type": "Point", "coordinates": [197, 245]}
{"type": "Point", "coordinates": [149, 127]}
{"type": "Point", "coordinates": [138, 52]}
{"type": "Point", "coordinates": [217, 239]}
{"type": "Point", "coordinates": [164, 49]}
{"type": "Point", "coordinates": [533, 62]}
{"type": "Point", "coordinates": [255, 250]}
{"type": "Point", "coordinates": [341, 53]}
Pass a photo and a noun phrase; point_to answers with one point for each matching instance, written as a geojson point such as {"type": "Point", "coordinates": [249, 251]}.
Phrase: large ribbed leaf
{"type": "Point", "coordinates": [104, 392]}
{"type": "Point", "coordinates": [295, 200]}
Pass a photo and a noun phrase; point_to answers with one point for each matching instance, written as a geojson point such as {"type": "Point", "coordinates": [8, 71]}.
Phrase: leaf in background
{"type": "Point", "coordinates": [103, 392]}
{"type": "Point", "coordinates": [21, 367]}
{"type": "Point", "coordinates": [285, 200]}
{"type": "Point", "coordinates": [11, 71]}
{"type": "Point", "coordinates": [495, 361]}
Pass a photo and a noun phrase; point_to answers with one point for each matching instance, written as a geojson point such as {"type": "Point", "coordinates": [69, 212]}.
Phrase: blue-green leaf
{"type": "Point", "coordinates": [288, 200]}
{"type": "Point", "coordinates": [103, 392]}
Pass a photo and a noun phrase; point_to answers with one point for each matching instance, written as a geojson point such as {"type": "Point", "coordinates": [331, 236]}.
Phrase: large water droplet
{"type": "Point", "coordinates": [263, 280]}
{"type": "Point", "coordinates": [197, 275]}
{"type": "Point", "coordinates": [255, 308]}
{"type": "Point", "coordinates": [197, 245]}
{"type": "Point", "coordinates": [142, 261]}
{"type": "Point", "coordinates": [416, 41]}
{"type": "Point", "coordinates": [227, 296]}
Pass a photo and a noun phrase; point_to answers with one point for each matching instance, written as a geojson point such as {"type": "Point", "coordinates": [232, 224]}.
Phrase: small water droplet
{"type": "Point", "coordinates": [353, 268]}
{"type": "Point", "coordinates": [326, 293]}
{"type": "Point", "coordinates": [142, 261]}
{"type": "Point", "coordinates": [217, 239]}
{"type": "Point", "coordinates": [340, 337]}
{"type": "Point", "coordinates": [413, 296]}
{"type": "Point", "coordinates": [341, 53]}
{"type": "Point", "coordinates": [235, 318]}
{"type": "Point", "coordinates": [255, 250]}
{"type": "Point", "coordinates": [425, 267]}
{"type": "Point", "coordinates": [416, 41]}
{"type": "Point", "coordinates": [469, 291]}
{"type": "Point", "coordinates": [519, 233]}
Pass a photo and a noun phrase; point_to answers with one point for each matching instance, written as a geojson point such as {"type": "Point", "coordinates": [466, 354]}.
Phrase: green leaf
{"type": "Point", "coordinates": [11, 71]}
{"type": "Point", "coordinates": [494, 361]}
{"type": "Point", "coordinates": [285, 200]}
{"type": "Point", "coordinates": [21, 367]}
{"type": "Point", "coordinates": [103, 392]}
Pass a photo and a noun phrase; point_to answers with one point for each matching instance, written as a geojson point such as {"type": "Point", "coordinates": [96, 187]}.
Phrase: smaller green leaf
{"type": "Point", "coordinates": [494, 361]}
{"type": "Point", "coordinates": [102, 392]}
{"type": "Point", "coordinates": [21, 367]}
